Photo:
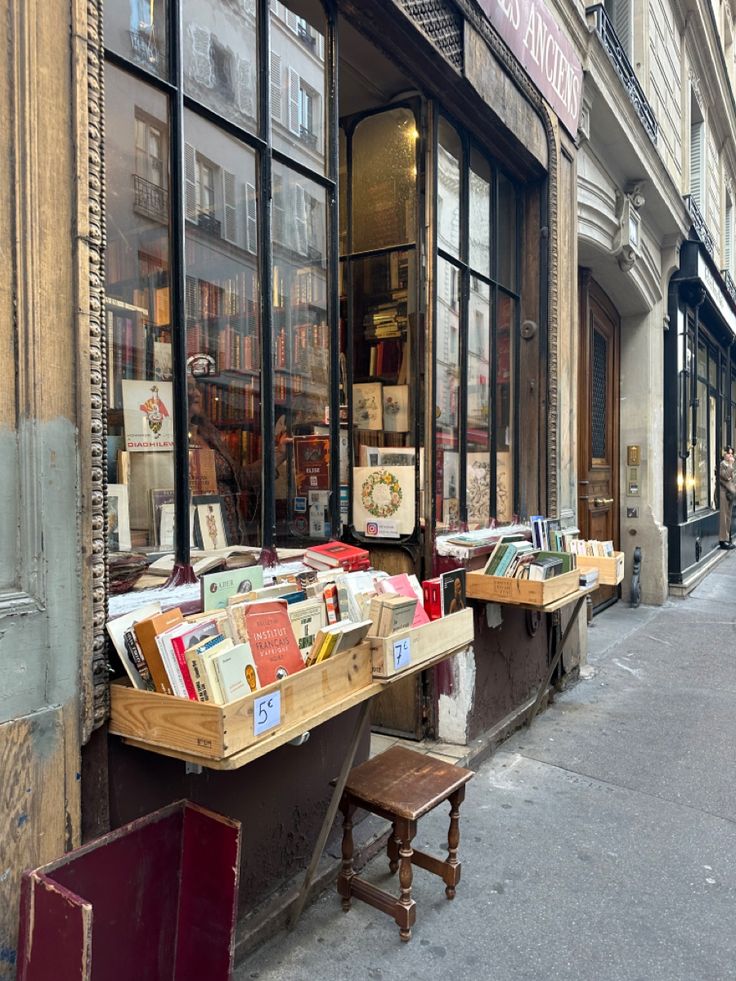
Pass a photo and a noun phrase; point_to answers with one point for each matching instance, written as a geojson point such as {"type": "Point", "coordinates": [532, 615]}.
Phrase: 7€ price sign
{"type": "Point", "coordinates": [266, 712]}
{"type": "Point", "coordinates": [402, 653]}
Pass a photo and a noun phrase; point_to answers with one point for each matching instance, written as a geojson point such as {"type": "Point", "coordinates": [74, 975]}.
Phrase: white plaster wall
{"type": "Point", "coordinates": [454, 709]}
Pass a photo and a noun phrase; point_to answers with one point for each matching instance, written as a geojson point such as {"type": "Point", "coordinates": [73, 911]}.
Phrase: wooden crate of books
{"type": "Point", "coordinates": [610, 567]}
{"type": "Point", "coordinates": [208, 731]}
{"type": "Point", "coordinates": [499, 589]}
{"type": "Point", "coordinates": [407, 650]}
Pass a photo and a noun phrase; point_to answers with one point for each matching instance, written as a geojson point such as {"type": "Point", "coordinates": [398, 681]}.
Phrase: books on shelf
{"type": "Point", "coordinates": [265, 625]}
{"type": "Point", "coordinates": [124, 640]}
{"type": "Point", "coordinates": [592, 548]}
{"type": "Point", "coordinates": [147, 632]}
{"type": "Point", "coordinates": [406, 585]}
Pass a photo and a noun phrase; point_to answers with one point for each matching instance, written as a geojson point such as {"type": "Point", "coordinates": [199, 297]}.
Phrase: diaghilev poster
{"type": "Point", "coordinates": [148, 416]}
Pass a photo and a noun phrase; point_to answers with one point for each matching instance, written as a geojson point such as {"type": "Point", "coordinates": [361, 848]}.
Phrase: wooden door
{"type": "Point", "coordinates": [598, 423]}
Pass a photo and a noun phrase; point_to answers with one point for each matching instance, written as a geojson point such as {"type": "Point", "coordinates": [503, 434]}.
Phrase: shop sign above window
{"type": "Point", "coordinates": [549, 58]}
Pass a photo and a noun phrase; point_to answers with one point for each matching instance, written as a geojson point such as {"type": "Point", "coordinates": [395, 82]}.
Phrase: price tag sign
{"type": "Point", "coordinates": [266, 712]}
{"type": "Point", "coordinates": [402, 653]}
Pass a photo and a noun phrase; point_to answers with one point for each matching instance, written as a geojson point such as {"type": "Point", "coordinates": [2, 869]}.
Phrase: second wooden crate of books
{"type": "Point", "coordinates": [415, 646]}
{"type": "Point", "coordinates": [610, 567]}
{"type": "Point", "coordinates": [525, 592]}
{"type": "Point", "coordinates": [209, 731]}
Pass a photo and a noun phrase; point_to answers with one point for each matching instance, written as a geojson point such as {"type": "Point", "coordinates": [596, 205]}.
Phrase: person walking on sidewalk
{"type": "Point", "coordinates": [727, 494]}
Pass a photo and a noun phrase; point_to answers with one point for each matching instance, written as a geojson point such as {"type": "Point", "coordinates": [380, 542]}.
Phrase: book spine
{"type": "Point", "coordinates": [148, 641]}
{"type": "Point", "coordinates": [213, 681]}
{"type": "Point", "coordinates": [179, 651]}
{"type": "Point", "coordinates": [136, 656]}
{"type": "Point", "coordinates": [198, 677]}
{"type": "Point", "coordinates": [330, 597]}
{"type": "Point", "coordinates": [171, 666]}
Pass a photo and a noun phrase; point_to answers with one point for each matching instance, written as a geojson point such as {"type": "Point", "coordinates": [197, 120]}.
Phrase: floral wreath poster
{"type": "Point", "coordinates": [384, 494]}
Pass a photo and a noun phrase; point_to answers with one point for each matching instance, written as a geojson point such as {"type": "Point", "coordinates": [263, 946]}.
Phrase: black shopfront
{"type": "Point", "coordinates": [700, 406]}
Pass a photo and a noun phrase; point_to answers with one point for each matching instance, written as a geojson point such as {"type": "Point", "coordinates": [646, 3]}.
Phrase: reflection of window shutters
{"type": "Point", "coordinates": [231, 210]}
{"type": "Point", "coordinates": [291, 20]}
{"type": "Point", "coordinates": [251, 221]}
{"type": "Point", "coordinates": [300, 219]}
{"type": "Point", "coordinates": [245, 88]}
{"type": "Point", "coordinates": [277, 214]}
{"type": "Point", "coordinates": [190, 181]}
{"type": "Point", "coordinates": [728, 237]}
{"type": "Point", "coordinates": [293, 101]}
{"type": "Point", "coordinates": [276, 112]}
{"type": "Point", "coordinates": [696, 162]}
{"type": "Point", "coordinates": [201, 55]}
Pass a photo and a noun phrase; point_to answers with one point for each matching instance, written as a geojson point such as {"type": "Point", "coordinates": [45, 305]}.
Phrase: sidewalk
{"type": "Point", "coordinates": [599, 846]}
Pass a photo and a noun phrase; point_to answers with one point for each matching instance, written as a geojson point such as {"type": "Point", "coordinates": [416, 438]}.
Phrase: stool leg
{"type": "Point", "coordinates": [453, 840]}
{"type": "Point", "coordinates": [405, 911]}
{"type": "Point", "coordinates": [346, 872]}
{"type": "Point", "coordinates": [392, 850]}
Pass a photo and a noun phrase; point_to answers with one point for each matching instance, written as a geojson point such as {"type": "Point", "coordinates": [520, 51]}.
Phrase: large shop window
{"type": "Point", "coordinates": [476, 320]}
{"type": "Point", "coordinates": [218, 274]}
{"type": "Point", "coordinates": [707, 424]}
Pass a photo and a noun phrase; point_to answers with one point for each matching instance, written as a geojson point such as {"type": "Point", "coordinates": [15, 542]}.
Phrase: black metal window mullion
{"type": "Point", "coordinates": [182, 544]}
{"type": "Point", "coordinates": [463, 341]}
{"type": "Point", "coordinates": [333, 263]}
{"type": "Point", "coordinates": [265, 183]}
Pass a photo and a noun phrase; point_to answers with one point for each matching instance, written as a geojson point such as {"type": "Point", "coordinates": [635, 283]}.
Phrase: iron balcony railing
{"type": "Point", "coordinates": [701, 229]}
{"type": "Point", "coordinates": [308, 137]}
{"type": "Point", "coordinates": [730, 285]}
{"type": "Point", "coordinates": [150, 199]}
{"type": "Point", "coordinates": [209, 224]}
{"type": "Point", "coordinates": [306, 36]}
{"type": "Point", "coordinates": [146, 50]}
{"type": "Point", "coordinates": [620, 61]}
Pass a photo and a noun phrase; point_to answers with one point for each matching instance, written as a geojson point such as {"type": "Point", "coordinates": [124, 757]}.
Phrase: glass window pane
{"type": "Point", "coordinates": [713, 369]}
{"type": "Point", "coordinates": [136, 29]}
{"type": "Point", "coordinates": [700, 451]}
{"type": "Point", "coordinates": [480, 214]}
{"type": "Point", "coordinates": [220, 61]}
{"type": "Point", "coordinates": [478, 478]}
{"type": "Point", "coordinates": [449, 161]}
{"type": "Point", "coordinates": [223, 335]}
{"type": "Point", "coordinates": [384, 180]}
{"type": "Point", "coordinates": [342, 200]}
{"type": "Point", "coordinates": [139, 329]}
{"type": "Point", "coordinates": [447, 428]}
{"type": "Point", "coordinates": [504, 419]}
{"type": "Point", "coordinates": [507, 234]}
{"type": "Point", "coordinates": [702, 361]}
{"type": "Point", "coordinates": [297, 77]}
{"type": "Point", "coordinates": [301, 353]}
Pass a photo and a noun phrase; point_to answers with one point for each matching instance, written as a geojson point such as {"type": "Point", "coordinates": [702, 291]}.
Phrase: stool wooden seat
{"type": "Point", "coordinates": [401, 786]}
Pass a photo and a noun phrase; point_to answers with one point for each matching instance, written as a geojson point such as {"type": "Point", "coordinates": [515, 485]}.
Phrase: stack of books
{"type": "Point", "coordinates": [515, 559]}
{"type": "Point", "coordinates": [337, 555]}
{"type": "Point", "coordinates": [591, 548]}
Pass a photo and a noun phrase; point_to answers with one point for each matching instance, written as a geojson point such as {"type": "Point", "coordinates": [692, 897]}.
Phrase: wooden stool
{"type": "Point", "coordinates": [401, 786]}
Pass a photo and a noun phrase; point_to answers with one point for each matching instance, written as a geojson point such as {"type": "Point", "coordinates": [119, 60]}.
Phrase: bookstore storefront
{"type": "Point", "coordinates": [700, 407]}
{"type": "Point", "coordinates": [318, 268]}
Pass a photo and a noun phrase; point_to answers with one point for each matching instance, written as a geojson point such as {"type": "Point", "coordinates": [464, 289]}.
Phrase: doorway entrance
{"type": "Point", "coordinates": [598, 423]}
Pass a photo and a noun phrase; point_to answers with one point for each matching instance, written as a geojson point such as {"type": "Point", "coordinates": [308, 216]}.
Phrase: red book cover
{"type": "Point", "coordinates": [266, 626]}
{"type": "Point", "coordinates": [336, 554]}
{"type": "Point", "coordinates": [311, 464]}
{"type": "Point", "coordinates": [180, 644]}
{"type": "Point", "coordinates": [432, 598]}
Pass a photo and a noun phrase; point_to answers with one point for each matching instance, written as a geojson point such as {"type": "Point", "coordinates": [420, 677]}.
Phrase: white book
{"type": "Point", "coordinates": [172, 665]}
{"type": "Point", "coordinates": [210, 671]}
{"type": "Point", "coordinates": [236, 672]}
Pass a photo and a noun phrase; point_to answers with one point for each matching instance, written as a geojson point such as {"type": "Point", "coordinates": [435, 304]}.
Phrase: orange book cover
{"type": "Point", "coordinates": [146, 632]}
{"type": "Point", "coordinates": [265, 625]}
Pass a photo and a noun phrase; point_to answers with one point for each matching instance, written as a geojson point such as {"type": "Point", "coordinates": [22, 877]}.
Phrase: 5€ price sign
{"type": "Point", "coordinates": [402, 653]}
{"type": "Point", "coordinates": [266, 712]}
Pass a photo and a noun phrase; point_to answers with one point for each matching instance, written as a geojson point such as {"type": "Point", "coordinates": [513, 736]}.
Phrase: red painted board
{"type": "Point", "coordinates": [49, 910]}
{"type": "Point", "coordinates": [208, 897]}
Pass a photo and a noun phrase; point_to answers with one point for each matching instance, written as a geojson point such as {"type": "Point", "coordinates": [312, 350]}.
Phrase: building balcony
{"type": "Point", "coordinates": [146, 51]}
{"type": "Point", "coordinates": [306, 37]}
{"type": "Point", "coordinates": [209, 224]}
{"type": "Point", "coordinates": [701, 229]}
{"type": "Point", "coordinates": [150, 200]}
{"type": "Point", "coordinates": [620, 61]}
{"type": "Point", "coordinates": [308, 137]}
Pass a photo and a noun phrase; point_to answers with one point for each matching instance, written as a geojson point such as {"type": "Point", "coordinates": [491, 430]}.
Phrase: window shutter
{"type": "Point", "coordinates": [294, 101]}
{"type": "Point", "coordinates": [190, 181]}
{"type": "Point", "coordinates": [231, 209]}
{"type": "Point", "coordinates": [301, 219]}
{"type": "Point", "coordinates": [291, 20]}
{"type": "Point", "coordinates": [251, 219]}
{"type": "Point", "coordinates": [277, 211]}
{"type": "Point", "coordinates": [728, 238]}
{"type": "Point", "coordinates": [622, 24]}
{"type": "Point", "coordinates": [276, 108]}
{"type": "Point", "coordinates": [696, 162]}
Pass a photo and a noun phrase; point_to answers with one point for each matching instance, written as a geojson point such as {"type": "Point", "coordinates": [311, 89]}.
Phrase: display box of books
{"type": "Point", "coordinates": [407, 649]}
{"type": "Point", "coordinates": [499, 589]}
{"type": "Point", "coordinates": [610, 567]}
